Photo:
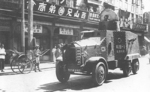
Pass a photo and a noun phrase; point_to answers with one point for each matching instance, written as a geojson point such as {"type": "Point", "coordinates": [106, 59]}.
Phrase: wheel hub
{"type": "Point", "coordinates": [101, 73]}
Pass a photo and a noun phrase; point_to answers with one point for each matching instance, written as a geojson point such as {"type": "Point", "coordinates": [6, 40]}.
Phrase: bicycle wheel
{"type": "Point", "coordinates": [24, 65]}
{"type": "Point", "coordinates": [14, 65]}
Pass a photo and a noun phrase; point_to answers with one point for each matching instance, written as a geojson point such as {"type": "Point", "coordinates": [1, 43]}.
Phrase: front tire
{"type": "Point", "coordinates": [62, 73]}
{"type": "Point", "coordinates": [135, 66]}
{"type": "Point", "coordinates": [99, 73]}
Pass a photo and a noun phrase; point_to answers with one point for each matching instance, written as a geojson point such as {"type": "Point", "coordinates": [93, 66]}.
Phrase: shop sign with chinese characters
{"type": "Point", "coordinates": [65, 31]}
{"type": "Point", "coordinates": [58, 10]}
{"type": "Point", "coordinates": [140, 27]}
{"type": "Point", "coordinates": [36, 28]}
{"type": "Point", "coordinates": [94, 16]}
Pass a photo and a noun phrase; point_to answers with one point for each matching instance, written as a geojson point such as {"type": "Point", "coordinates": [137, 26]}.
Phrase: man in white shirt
{"type": "Point", "coordinates": [2, 57]}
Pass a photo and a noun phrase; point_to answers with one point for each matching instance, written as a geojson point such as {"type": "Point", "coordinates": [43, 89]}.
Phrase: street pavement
{"type": "Point", "coordinates": [46, 81]}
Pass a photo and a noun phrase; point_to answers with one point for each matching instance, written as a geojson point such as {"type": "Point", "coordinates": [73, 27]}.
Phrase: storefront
{"type": "Point", "coordinates": [127, 23]}
{"type": "Point", "coordinates": [5, 37]}
{"type": "Point", "coordinates": [140, 30]}
{"type": "Point", "coordinates": [7, 14]}
{"type": "Point", "coordinates": [65, 35]}
{"type": "Point", "coordinates": [53, 24]}
{"type": "Point", "coordinates": [147, 43]}
{"type": "Point", "coordinates": [65, 24]}
{"type": "Point", "coordinates": [5, 27]}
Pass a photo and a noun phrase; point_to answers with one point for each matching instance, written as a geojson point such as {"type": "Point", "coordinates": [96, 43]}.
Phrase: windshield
{"type": "Point", "coordinates": [89, 34]}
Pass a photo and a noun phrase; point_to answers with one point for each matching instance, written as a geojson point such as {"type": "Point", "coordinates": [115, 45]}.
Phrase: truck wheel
{"type": "Point", "coordinates": [127, 69]}
{"type": "Point", "coordinates": [61, 72]}
{"type": "Point", "coordinates": [99, 73]}
{"type": "Point", "coordinates": [135, 66]}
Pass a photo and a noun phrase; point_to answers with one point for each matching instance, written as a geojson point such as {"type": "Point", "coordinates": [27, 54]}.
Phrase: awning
{"type": "Point", "coordinates": [148, 40]}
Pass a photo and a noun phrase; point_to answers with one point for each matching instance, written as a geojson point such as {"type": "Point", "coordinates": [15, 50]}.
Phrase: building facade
{"type": "Point", "coordinates": [130, 14]}
{"type": "Point", "coordinates": [61, 21]}
{"type": "Point", "coordinates": [146, 20]}
{"type": "Point", "coordinates": [55, 22]}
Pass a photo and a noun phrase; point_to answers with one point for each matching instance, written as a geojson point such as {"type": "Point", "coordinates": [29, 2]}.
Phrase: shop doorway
{"type": "Point", "coordinates": [4, 39]}
{"type": "Point", "coordinates": [63, 35]}
{"type": "Point", "coordinates": [43, 40]}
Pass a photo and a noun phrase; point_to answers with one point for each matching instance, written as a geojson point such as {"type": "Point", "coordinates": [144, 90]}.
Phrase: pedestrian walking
{"type": "Point", "coordinates": [2, 57]}
{"type": "Point", "coordinates": [149, 55]}
{"type": "Point", "coordinates": [37, 53]}
{"type": "Point", "coordinates": [53, 54]}
{"type": "Point", "coordinates": [58, 51]}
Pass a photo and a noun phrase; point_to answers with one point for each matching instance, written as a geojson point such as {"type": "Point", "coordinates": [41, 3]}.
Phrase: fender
{"type": "Point", "coordinates": [132, 56]}
{"type": "Point", "coordinates": [94, 60]}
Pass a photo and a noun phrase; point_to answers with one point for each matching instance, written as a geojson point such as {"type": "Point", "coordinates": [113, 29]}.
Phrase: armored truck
{"type": "Point", "coordinates": [97, 52]}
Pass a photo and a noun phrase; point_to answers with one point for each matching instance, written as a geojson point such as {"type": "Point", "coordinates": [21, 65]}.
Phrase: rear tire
{"type": "Point", "coordinates": [135, 66]}
{"type": "Point", "coordinates": [99, 73]}
{"type": "Point", "coordinates": [62, 73]}
{"type": "Point", "coordinates": [127, 68]}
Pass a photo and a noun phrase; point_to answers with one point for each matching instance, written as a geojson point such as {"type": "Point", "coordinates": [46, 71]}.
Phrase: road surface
{"type": "Point", "coordinates": [46, 81]}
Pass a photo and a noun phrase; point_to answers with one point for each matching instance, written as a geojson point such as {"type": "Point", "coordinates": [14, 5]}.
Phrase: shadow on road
{"type": "Point", "coordinates": [77, 83]}
{"type": "Point", "coordinates": [114, 75]}
{"type": "Point", "coordinates": [2, 90]}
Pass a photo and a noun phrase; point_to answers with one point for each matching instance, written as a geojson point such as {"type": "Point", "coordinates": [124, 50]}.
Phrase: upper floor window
{"type": "Point", "coordinates": [53, 1]}
{"type": "Point", "coordinates": [81, 4]}
{"type": "Point", "coordinates": [70, 3]}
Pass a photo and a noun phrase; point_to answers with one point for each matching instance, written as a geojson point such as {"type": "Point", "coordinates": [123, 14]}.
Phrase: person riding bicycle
{"type": "Point", "coordinates": [37, 53]}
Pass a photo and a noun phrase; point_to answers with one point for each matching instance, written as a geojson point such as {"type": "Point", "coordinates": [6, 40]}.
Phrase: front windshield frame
{"type": "Point", "coordinates": [86, 34]}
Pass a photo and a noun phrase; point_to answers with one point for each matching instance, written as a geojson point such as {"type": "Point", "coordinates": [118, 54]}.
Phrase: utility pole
{"type": "Point", "coordinates": [23, 27]}
{"type": "Point", "coordinates": [30, 25]}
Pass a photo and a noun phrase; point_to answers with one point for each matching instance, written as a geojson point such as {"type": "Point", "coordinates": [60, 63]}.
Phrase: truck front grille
{"type": "Point", "coordinates": [70, 55]}
{"type": "Point", "coordinates": [78, 56]}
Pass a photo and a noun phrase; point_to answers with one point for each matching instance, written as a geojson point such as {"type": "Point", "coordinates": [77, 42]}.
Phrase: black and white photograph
{"type": "Point", "coordinates": [74, 45]}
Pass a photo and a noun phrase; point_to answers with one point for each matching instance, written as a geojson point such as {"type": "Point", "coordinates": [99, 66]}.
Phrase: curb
{"type": "Point", "coordinates": [45, 65]}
